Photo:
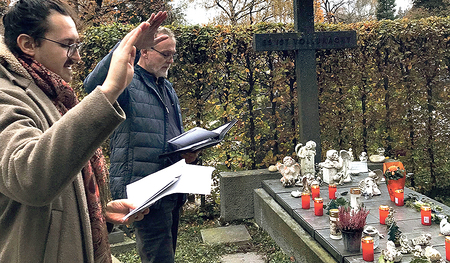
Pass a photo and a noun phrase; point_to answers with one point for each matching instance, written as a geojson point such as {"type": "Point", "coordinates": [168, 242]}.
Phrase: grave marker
{"type": "Point", "coordinates": [305, 42]}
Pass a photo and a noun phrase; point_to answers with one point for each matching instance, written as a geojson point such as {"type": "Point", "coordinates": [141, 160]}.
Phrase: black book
{"type": "Point", "coordinates": [198, 138]}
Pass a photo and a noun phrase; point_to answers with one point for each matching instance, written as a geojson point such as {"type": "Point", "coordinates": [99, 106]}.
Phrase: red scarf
{"type": "Point", "coordinates": [95, 174]}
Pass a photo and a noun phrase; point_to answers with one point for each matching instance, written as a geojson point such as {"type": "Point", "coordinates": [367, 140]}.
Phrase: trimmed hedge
{"type": "Point", "coordinates": [390, 91]}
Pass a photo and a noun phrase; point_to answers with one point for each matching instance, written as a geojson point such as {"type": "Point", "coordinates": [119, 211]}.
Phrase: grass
{"type": "Point", "coordinates": [191, 249]}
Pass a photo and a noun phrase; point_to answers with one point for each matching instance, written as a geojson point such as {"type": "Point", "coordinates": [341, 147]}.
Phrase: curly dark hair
{"type": "Point", "coordinates": [30, 17]}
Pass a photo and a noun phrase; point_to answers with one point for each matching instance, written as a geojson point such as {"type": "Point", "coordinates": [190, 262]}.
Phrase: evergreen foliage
{"type": "Point", "coordinates": [386, 9]}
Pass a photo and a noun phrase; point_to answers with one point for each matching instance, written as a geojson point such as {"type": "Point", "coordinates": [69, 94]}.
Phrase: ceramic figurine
{"type": "Point", "coordinates": [418, 252]}
{"type": "Point", "coordinates": [308, 179]}
{"type": "Point", "coordinates": [306, 155]}
{"type": "Point", "coordinates": [363, 157]}
{"type": "Point", "coordinates": [423, 240]}
{"type": "Point", "coordinates": [346, 160]}
{"type": "Point", "coordinates": [444, 227]}
{"type": "Point", "coordinates": [350, 152]}
{"type": "Point", "coordinates": [378, 158]}
{"type": "Point", "coordinates": [290, 170]}
{"type": "Point", "coordinates": [296, 193]}
{"type": "Point", "coordinates": [369, 187]}
{"type": "Point", "coordinates": [391, 253]}
{"type": "Point", "coordinates": [331, 167]}
{"type": "Point", "coordinates": [405, 245]}
{"type": "Point", "coordinates": [433, 255]}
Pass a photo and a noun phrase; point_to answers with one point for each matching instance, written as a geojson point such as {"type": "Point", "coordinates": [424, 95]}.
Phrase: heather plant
{"type": "Point", "coordinates": [352, 219]}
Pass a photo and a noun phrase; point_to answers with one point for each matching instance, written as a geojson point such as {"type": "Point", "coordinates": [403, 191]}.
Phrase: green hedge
{"type": "Point", "coordinates": [390, 91]}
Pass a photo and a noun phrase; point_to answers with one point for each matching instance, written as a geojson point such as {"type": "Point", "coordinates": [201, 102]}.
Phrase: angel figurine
{"type": "Point", "coordinates": [336, 167]}
{"type": "Point", "coordinates": [346, 160]}
{"type": "Point", "coordinates": [290, 170]}
{"type": "Point", "coordinates": [331, 166]}
{"type": "Point", "coordinates": [369, 187]}
{"type": "Point", "coordinates": [306, 155]}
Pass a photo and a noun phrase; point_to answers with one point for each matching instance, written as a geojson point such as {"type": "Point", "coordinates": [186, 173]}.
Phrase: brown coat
{"type": "Point", "coordinates": [43, 211]}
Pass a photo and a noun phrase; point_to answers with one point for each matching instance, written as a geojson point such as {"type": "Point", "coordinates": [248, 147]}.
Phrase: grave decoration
{"type": "Point", "coordinates": [413, 201]}
{"type": "Point", "coordinates": [336, 203]}
{"type": "Point", "coordinates": [335, 168]}
{"type": "Point", "coordinates": [395, 178]}
{"type": "Point", "coordinates": [371, 231]}
{"type": "Point", "coordinates": [290, 171]}
{"type": "Point", "coordinates": [351, 223]}
{"type": "Point", "coordinates": [379, 157]}
{"type": "Point", "coordinates": [306, 155]}
{"type": "Point", "coordinates": [397, 239]}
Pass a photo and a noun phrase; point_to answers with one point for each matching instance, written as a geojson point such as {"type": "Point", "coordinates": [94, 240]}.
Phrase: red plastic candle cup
{"type": "Point", "coordinates": [315, 191]}
{"type": "Point", "coordinates": [384, 211]}
{"type": "Point", "coordinates": [367, 248]}
{"type": "Point", "coordinates": [305, 200]}
{"type": "Point", "coordinates": [318, 206]}
{"type": "Point", "coordinates": [332, 191]}
{"type": "Point", "coordinates": [425, 212]}
{"type": "Point", "coordinates": [447, 248]}
{"type": "Point", "coordinates": [398, 197]}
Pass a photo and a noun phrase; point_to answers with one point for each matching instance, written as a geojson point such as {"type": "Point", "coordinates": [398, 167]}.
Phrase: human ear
{"type": "Point", "coordinates": [26, 44]}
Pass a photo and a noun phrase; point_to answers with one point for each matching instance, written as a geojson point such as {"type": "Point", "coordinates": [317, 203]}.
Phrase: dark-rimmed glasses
{"type": "Point", "coordinates": [166, 56]}
{"type": "Point", "coordinates": [72, 48]}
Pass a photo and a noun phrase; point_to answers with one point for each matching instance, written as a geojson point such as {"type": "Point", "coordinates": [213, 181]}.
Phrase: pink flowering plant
{"type": "Point", "coordinates": [351, 219]}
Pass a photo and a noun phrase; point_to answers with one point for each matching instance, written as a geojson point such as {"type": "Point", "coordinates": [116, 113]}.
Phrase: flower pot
{"type": "Point", "coordinates": [352, 240]}
{"type": "Point", "coordinates": [393, 185]}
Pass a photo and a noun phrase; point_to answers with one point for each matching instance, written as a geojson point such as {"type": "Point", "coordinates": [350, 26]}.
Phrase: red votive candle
{"type": "Point", "coordinates": [367, 248]}
{"type": "Point", "coordinates": [425, 212]}
{"type": "Point", "coordinates": [447, 248]}
{"type": "Point", "coordinates": [305, 200]}
{"type": "Point", "coordinates": [384, 211]}
{"type": "Point", "coordinates": [332, 188]}
{"type": "Point", "coordinates": [398, 197]}
{"type": "Point", "coordinates": [318, 206]}
{"type": "Point", "coordinates": [315, 191]}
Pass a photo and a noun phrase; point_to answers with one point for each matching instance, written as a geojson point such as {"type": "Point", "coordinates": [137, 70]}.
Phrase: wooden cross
{"type": "Point", "coordinates": [305, 43]}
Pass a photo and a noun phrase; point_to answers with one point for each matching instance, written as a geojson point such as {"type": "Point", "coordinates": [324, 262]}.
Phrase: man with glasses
{"type": "Point", "coordinates": [54, 201]}
{"type": "Point", "coordinates": [153, 117]}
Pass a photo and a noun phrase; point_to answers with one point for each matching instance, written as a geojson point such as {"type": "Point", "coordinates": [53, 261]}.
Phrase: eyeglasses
{"type": "Point", "coordinates": [166, 56]}
{"type": "Point", "coordinates": [72, 48]}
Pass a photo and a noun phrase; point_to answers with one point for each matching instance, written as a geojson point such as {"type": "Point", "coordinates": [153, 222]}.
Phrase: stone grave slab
{"type": "Point", "coordinates": [226, 234]}
{"type": "Point", "coordinates": [408, 219]}
{"type": "Point", "coordinates": [242, 258]}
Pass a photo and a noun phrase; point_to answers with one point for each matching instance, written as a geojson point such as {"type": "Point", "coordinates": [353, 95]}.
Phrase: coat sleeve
{"type": "Point", "coordinates": [98, 75]}
{"type": "Point", "coordinates": [37, 161]}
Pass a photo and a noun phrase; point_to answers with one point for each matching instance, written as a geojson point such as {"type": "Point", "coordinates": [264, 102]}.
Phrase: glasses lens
{"type": "Point", "coordinates": [74, 48]}
{"type": "Point", "coordinates": [174, 56]}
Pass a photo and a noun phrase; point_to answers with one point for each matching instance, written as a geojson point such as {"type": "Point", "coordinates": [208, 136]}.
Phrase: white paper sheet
{"type": "Point", "coordinates": [177, 178]}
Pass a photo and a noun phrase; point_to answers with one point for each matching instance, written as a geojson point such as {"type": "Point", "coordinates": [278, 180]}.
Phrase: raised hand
{"type": "Point", "coordinates": [121, 70]}
{"type": "Point", "coordinates": [147, 39]}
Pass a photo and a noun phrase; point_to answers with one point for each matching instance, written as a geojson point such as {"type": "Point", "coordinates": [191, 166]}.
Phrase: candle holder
{"type": "Point", "coordinates": [332, 188]}
{"type": "Point", "coordinates": [399, 197]}
{"type": "Point", "coordinates": [335, 232]}
{"type": "Point", "coordinates": [318, 206]}
{"type": "Point", "coordinates": [447, 247]}
{"type": "Point", "coordinates": [355, 197]}
{"type": "Point", "coordinates": [384, 212]}
{"type": "Point", "coordinates": [425, 212]}
{"type": "Point", "coordinates": [367, 248]}
{"type": "Point", "coordinates": [305, 200]}
{"type": "Point", "coordinates": [315, 190]}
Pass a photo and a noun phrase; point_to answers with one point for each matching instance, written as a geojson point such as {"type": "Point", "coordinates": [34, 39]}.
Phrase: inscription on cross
{"type": "Point", "coordinates": [305, 42]}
